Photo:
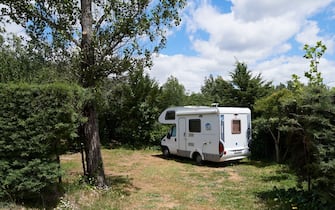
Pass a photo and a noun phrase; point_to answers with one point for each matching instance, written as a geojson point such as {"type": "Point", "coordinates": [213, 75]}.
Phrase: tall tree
{"type": "Point", "coordinates": [197, 99]}
{"type": "Point", "coordinates": [105, 36]}
{"type": "Point", "coordinates": [242, 90]}
{"type": "Point", "coordinates": [130, 110]}
{"type": "Point", "coordinates": [139, 109]}
{"type": "Point", "coordinates": [312, 116]}
{"type": "Point", "coordinates": [248, 88]}
{"type": "Point", "coordinates": [272, 116]}
{"type": "Point", "coordinates": [173, 93]}
{"type": "Point", "coordinates": [314, 54]}
{"type": "Point", "coordinates": [20, 65]}
{"type": "Point", "coordinates": [218, 90]}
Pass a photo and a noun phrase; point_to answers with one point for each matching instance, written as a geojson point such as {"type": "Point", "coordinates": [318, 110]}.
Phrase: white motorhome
{"type": "Point", "coordinates": [207, 133]}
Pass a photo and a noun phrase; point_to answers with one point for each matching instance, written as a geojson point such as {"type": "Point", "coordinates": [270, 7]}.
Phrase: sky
{"type": "Point", "coordinates": [267, 35]}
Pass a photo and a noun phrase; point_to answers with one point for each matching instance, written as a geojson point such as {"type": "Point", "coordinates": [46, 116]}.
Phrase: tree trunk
{"type": "Point", "coordinates": [277, 151]}
{"type": "Point", "coordinates": [276, 142]}
{"type": "Point", "coordinates": [83, 162]}
{"type": "Point", "coordinates": [87, 74]}
{"type": "Point", "coordinates": [94, 163]}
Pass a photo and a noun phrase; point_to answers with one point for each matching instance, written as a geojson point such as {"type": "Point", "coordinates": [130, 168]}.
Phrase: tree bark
{"type": "Point", "coordinates": [277, 152]}
{"type": "Point", "coordinates": [276, 141]}
{"type": "Point", "coordinates": [94, 163]}
{"type": "Point", "coordinates": [87, 49]}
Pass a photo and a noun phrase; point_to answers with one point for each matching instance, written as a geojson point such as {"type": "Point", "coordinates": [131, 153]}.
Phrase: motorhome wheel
{"type": "Point", "coordinates": [166, 152]}
{"type": "Point", "coordinates": [198, 159]}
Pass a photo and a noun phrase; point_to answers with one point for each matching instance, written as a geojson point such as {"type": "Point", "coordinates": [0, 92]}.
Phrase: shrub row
{"type": "Point", "coordinates": [34, 121]}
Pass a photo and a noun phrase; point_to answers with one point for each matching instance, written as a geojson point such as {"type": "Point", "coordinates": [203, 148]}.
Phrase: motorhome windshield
{"type": "Point", "coordinates": [222, 127]}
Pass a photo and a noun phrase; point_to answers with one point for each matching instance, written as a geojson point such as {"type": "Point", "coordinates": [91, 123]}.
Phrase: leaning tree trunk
{"type": "Point", "coordinates": [94, 163]}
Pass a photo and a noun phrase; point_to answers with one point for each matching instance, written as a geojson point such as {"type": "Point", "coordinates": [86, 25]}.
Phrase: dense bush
{"type": "Point", "coordinates": [303, 127]}
{"type": "Point", "coordinates": [34, 120]}
{"type": "Point", "coordinates": [261, 146]}
{"type": "Point", "coordinates": [312, 121]}
{"type": "Point", "coordinates": [130, 111]}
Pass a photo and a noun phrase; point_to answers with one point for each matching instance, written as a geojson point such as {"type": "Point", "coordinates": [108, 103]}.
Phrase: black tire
{"type": "Point", "coordinates": [166, 152]}
{"type": "Point", "coordinates": [198, 159]}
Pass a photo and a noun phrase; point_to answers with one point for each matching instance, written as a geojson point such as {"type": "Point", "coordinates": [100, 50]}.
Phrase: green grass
{"type": "Point", "coordinates": [147, 181]}
{"type": "Point", "coordinates": [144, 180]}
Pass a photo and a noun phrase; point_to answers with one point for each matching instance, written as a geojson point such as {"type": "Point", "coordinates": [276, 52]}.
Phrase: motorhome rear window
{"type": "Point", "coordinates": [194, 125]}
{"type": "Point", "coordinates": [236, 126]}
{"type": "Point", "coordinates": [170, 115]}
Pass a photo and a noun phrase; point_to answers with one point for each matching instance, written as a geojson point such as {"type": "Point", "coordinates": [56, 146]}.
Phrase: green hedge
{"type": "Point", "coordinates": [34, 120]}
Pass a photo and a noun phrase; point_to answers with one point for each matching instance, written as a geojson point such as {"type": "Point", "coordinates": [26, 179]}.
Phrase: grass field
{"type": "Point", "coordinates": [145, 180]}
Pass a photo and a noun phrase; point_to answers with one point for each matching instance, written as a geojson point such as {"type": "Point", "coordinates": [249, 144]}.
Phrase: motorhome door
{"type": "Point", "coordinates": [182, 134]}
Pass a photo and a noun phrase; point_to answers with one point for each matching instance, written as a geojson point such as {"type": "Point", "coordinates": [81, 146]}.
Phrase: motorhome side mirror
{"type": "Point", "coordinates": [168, 135]}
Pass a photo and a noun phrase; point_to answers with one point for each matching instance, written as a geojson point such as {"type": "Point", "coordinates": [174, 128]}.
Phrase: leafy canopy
{"type": "Point", "coordinates": [122, 32]}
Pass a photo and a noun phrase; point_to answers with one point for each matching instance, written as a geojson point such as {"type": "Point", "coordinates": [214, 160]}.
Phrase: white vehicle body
{"type": "Point", "coordinates": [207, 133]}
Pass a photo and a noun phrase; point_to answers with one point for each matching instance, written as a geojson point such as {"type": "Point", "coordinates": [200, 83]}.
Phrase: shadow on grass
{"type": "Point", "coordinates": [189, 161]}
{"type": "Point", "coordinates": [276, 178]}
{"type": "Point", "coordinates": [259, 163]}
{"type": "Point", "coordinates": [118, 186]}
{"type": "Point", "coordinates": [274, 199]}
{"type": "Point", "coordinates": [123, 185]}
{"type": "Point", "coordinates": [46, 199]}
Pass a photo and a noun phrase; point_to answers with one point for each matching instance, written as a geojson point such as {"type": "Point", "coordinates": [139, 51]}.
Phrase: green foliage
{"type": "Point", "coordinates": [243, 89]}
{"type": "Point", "coordinates": [295, 84]}
{"type": "Point", "coordinates": [173, 93]}
{"type": "Point", "coordinates": [303, 117]}
{"type": "Point", "coordinates": [219, 91]}
{"type": "Point", "coordinates": [131, 110]}
{"type": "Point", "coordinates": [261, 146]}
{"type": "Point", "coordinates": [272, 105]}
{"type": "Point", "coordinates": [119, 36]}
{"type": "Point", "coordinates": [34, 121]}
{"type": "Point", "coordinates": [314, 54]}
{"type": "Point", "coordinates": [293, 198]}
{"type": "Point", "coordinates": [21, 64]}
{"type": "Point", "coordinates": [272, 117]}
{"type": "Point", "coordinates": [303, 120]}
{"type": "Point", "coordinates": [197, 99]}
{"type": "Point", "coordinates": [312, 126]}
{"type": "Point", "coordinates": [248, 88]}
{"type": "Point", "coordinates": [16, 64]}
{"type": "Point", "coordinates": [139, 112]}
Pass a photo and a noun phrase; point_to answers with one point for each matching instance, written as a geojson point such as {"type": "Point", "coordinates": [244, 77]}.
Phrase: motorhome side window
{"type": "Point", "coordinates": [173, 131]}
{"type": "Point", "coordinates": [194, 125]}
{"type": "Point", "coordinates": [236, 126]}
{"type": "Point", "coordinates": [170, 115]}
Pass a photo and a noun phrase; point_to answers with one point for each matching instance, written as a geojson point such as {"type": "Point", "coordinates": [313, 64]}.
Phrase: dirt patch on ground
{"type": "Point", "coordinates": [233, 175]}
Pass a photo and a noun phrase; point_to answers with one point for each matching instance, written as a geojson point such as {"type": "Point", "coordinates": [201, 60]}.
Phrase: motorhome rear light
{"type": "Point", "coordinates": [221, 149]}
